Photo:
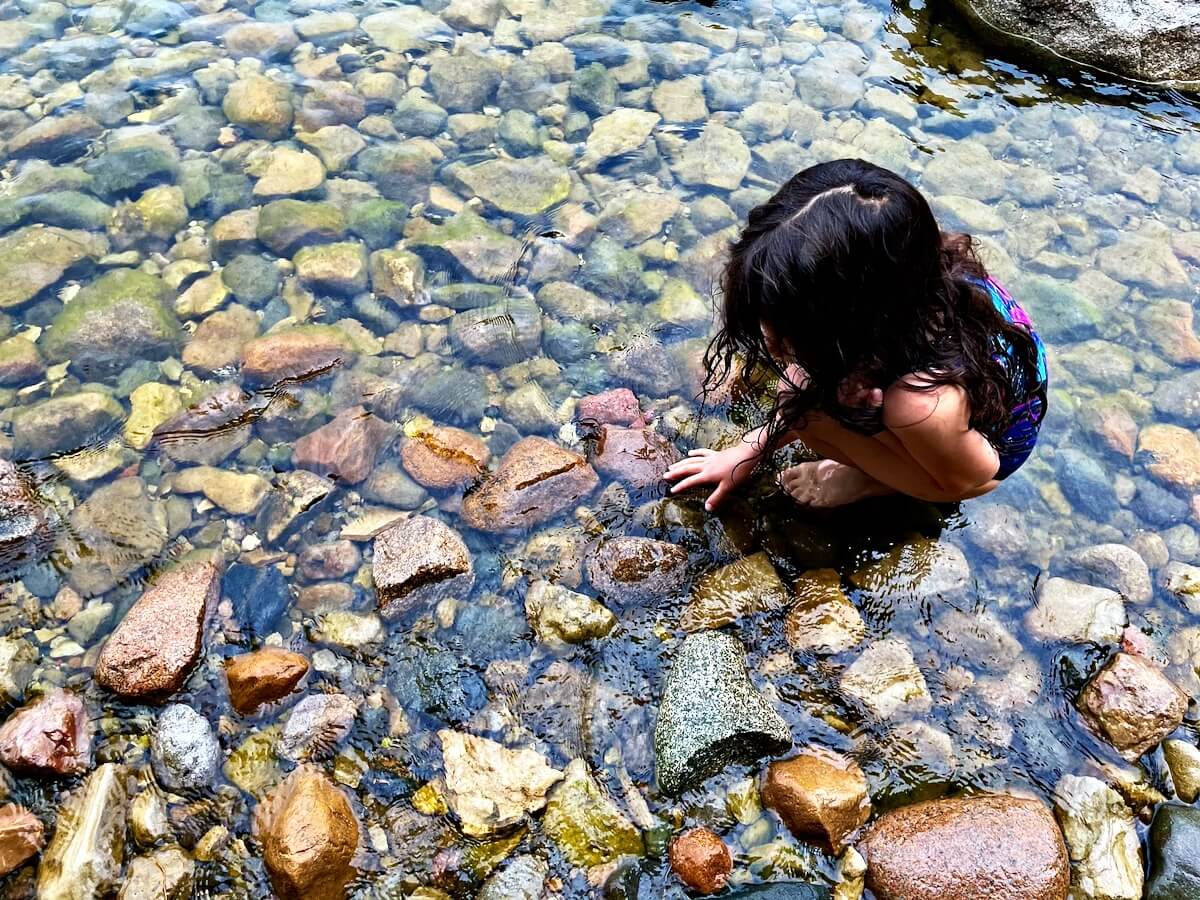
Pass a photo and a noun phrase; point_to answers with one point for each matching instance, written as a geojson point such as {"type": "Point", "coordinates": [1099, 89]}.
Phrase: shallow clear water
{"type": "Point", "coordinates": [1081, 191]}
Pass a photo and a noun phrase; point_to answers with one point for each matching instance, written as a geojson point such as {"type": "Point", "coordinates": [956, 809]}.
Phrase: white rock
{"type": "Point", "coordinates": [1069, 611]}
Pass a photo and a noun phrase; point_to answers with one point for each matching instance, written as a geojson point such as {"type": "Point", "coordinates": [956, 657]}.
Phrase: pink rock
{"type": "Point", "coordinates": [616, 407]}
{"type": "Point", "coordinates": [636, 456]}
{"type": "Point", "coordinates": [344, 448]}
{"type": "Point", "coordinates": [49, 736]}
{"type": "Point", "coordinates": [1132, 704]}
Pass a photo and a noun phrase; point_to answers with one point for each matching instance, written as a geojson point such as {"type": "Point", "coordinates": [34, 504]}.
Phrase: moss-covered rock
{"type": "Point", "coordinates": [378, 222]}
{"type": "Point", "coordinates": [63, 423]}
{"type": "Point", "coordinates": [468, 241]}
{"type": "Point", "coordinates": [155, 216]}
{"type": "Point", "coordinates": [33, 258]}
{"type": "Point", "coordinates": [286, 225]}
{"type": "Point", "coordinates": [586, 824]}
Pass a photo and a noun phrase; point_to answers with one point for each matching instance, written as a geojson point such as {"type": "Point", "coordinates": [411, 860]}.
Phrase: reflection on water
{"type": "Point", "coordinates": [228, 224]}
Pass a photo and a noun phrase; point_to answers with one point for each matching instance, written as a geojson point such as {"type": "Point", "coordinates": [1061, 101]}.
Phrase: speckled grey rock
{"type": "Point", "coordinates": [522, 879]}
{"type": "Point", "coordinates": [711, 715]}
{"type": "Point", "coordinates": [186, 752]}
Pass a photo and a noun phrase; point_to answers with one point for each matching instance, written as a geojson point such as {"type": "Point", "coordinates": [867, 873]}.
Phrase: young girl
{"type": "Point", "coordinates": [900, 362]}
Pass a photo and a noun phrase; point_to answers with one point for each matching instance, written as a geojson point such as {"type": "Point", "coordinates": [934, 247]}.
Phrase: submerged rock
{"type": "Point", "coordinates": [1106, 857]}
{"type": "Point", "coordinates": [1114, 566]}
{"type": "Point", "coordinates": [522, 879]}
{"type": "Point", "coordinates": [262, 677]}
{"type": "Point", "coordinates": [22, 835]}
{"type": "Point", "coordinates": [27, 522]}
{"type": "Point", "coordinates": [886, 680]}
{"type": "Point", "coordinates": [51, 736]}
{"type": "Point", "coordinates": [440, 457]}
{"type": "Point", "coordinates": [419, 561]}
{"type": "Point", "coordinates": [34, 258]}
{"type": "Point", "coordinates": [1132, 704]}
{"type": "Point", "coordinates": [64, 423]}
{"type": "Point", "coordinates": [1174, 849]}
{"type": "Point", "coordinates": [186, 752]}
{"type": "Point", "coordinates": [561, 616]}
{"type": "Point", "coordinates": [207, 431]}
{"type": "Point", "coordinates": [635, 569]}
{"type": "Point", "coordinates": [711, 715]}
{"type": "Point", "coordinates": [636, 456]}
{"type": "Point", "coordinates": [85, 856]}
{"type": "Point", "coordinates": [535, 482]}
{"type": "Point", "coordinates": [1067, 610]}
{"type": "Point", "coordinates": [296, 353]}
{"type": "Point", "coordinates": [743, 588]}
{"type": "Point", "coordinates": [585, 823]}
{"type": "Point", "coordinates": [701, 860]}
{"type": "Point", "coordinates": [119, 529]}
{"type": "Point", "coordinates": [260, 105]}
{"type": "Point", "coordinates": [165, 874]}
{"type": "Point", "coordinates": [822, 617]}
{"type": "Point", "coordinates": [489, 787]}
{"type": "Point", "coordinates": [505, 334]}
{"type": "Point", "coordinates": [344, 449]}
{"type": "Point", "coordinates": [1183, 761]}
{"type": "Point", "coordinates": [983, 847]}
{"type": "Point", "coordinates": [153, 650]}
{"type": "Point", "coordinates": [316, 725]}
{"type": "Point", "coordinates": [818, 796]}
{"type": "Point", "coordinates": [309, 835]}
{"type": "Point", "coordinates": [523, 187]}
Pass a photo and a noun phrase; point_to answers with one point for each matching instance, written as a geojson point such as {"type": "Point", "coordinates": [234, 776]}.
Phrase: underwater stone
{"type": "Point", "coordinates": [502, 335]}
{"type": "Point", "coordinates": [346, 447]}
{"type": "Point", "coordinates": [521, 879]}
{"type": "Point", "coordinates": [262, 677]}
{"type": "Point", "coordinates": [886, 680]}
{"type": "Point", "coordinates": [1132, 704]}
{"type": "Point", "coordinates": [260, 595]}
{"type": "Point", "coordinates": [119, 529]}
{"type": "Point", "coordinates": [822, 617]}
{"type": "Point", "coordinates": [21, 836]}
{"type": "Point", "coordinates": [1174, 849]}
{"type": "Point", "coordinates": [262, 106]}
{"type": "Point", "coordinates": [523, 187]}
{"type": "Point", "coordinates": [298, 494]}
{"type": "Point", "coordinates": [585, 823]}
{"type": "Point", "coordinates": [185, 751]}
{"type": "Point", "coordinates": [166, 873]}
{"type": "Point", "coordinates": [636, 456]}
{"type": "Point", "coordinates": [296, 353]}
{"type": "Point", "coordinates": [632, 569]}
{"type": "Point", "coordinates": [743, 588]}
{"type": "Point", "coordinates": [285, 226]}
{"type": "Point", "coordinates": [819, 796]}
{"type": "Point", "coordinates": [711, 715]}
{"type": "Point", "coordinates": [51, 736]}
{"type": "Point", "coordinates": [316, 725]}
{"type": "Point", "coordinates": [1101, 838]}
{"type": "Point", "coordinates": [34, 258]}
{"type": "Point", "coordinates": [480, 250]}
{"type": "Point", "coordinates": [27, 522]}
{"type": "Point", "coordinates": [252, 279]}
{"type": "Point", "coordinates": [440, 458]}
{"type": "Point", "coordinates": [85, 855]}
{"type": "Point", "coordinates": [701, 860]}
{"type": "Point", "coordinates": [1067, 610]}
{"type": "Point", "coordinates": [419, 561]}
{"type": "Point", "coordinates": [464, 82]}
{"type": "Point", "coordinates": [560, 616]}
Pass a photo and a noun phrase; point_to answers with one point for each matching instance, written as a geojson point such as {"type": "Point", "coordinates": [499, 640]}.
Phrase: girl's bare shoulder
{"type": "Point", "coordinates": [913, 400]}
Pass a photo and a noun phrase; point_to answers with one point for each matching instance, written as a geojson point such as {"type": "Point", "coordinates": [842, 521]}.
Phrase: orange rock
{"type": "Point", "coordinates": [154, 648]}
{"type": "Point", "coordinates": [21, 836]}
{"type": "Point", "coordinates": [309, 835]}
{"type": "Point", "coordinates": [296, 353]}
{"type": "Point", "coordinates": [701, 860]}
{"type": "Point", "coordinates": [50, 736]}
{"type": "Point", "coordinates": [636, 456]}
{"type": "Point", "coordinates": [1132, 704]}
{"type": "Point", "coordinates": [441, 457]}
{"type": "Point", "coordinates": [263, 677]}
{"type": "Point", "coordinates": [818, 795]}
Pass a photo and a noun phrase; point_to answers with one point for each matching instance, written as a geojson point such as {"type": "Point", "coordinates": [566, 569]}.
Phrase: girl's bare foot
{"type": "Point", "coordinates": [826, 483]}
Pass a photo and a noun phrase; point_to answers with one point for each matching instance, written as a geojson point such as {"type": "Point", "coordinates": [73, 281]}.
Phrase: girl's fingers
{"type": "Point", "coordinates": [689, 482]}
{"type": "Point", "coordinates": [701, 451]}
{"type": "Point", "coordinates": [717, 497]}
{"type": "Point", "coordinates": [684, 467]}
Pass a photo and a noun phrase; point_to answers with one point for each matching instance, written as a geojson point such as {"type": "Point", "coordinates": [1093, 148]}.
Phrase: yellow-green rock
{"type": "Point", "coordinates": [151, 404]}
{"type": "Point", "coordinates": [743, 588]}
{"type": "Point", "coordinates": [586, 824]}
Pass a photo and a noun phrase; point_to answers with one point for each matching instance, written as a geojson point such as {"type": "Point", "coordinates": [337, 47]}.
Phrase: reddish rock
{"type": "Point", "coordinates": [210, 430]}
{"type": "Point", "coordinates": [819, 796]}
{"type": "Point", "coordinates": [629, 569]}
{"type": "Point", "coordinates": [152, 651]}
{"type": "Point", "coordinates": [701, 860]}
{"type": "Point", "coordinates": [636, 456]}
{"type": "Point", "coordinates": [309, 836]}
{"type": "Point", "coordinates": [986, 847]}
{"type": "Point", "coordinates": [535, 482]}
{"type": "Point", "coordinates": [419, 561]}
{"type": "Point", "coordinates": [442, 458]}
{"type": "Point", "coordinates": [1132, 704]}
{"type": "Point", "coordinates": [50, 736]}
{"type": "Point", "coordinates": [21, 836]}
{"type": "Point", "coordinates": [298, 353]}
{"type": "Point", "coordinates": [263, 676]}
{"type": "Point", "coordinates": [344, 448]}
{"type": "Point", "coordinates": [616, 407]}
{"type": "Point", "coordinates": [336, 559]}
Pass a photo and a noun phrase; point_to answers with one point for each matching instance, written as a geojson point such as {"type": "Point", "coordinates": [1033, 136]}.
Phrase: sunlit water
{"type": "Point", "coordinates": [1056, 172]}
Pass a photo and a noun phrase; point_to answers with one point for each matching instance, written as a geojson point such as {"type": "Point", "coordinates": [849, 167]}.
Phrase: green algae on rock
{"type": "Point", "coordinates": [585, 823]}
{"type": "Point", "coordinates": [35, 258]}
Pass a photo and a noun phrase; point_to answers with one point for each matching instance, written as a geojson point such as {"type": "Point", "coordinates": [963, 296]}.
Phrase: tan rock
{"type": "Point", "coordinates": [289, 172]}
{"type": "Point", "coordinates": [263, 676]}
{"type": "Point", "coordinates": [21, 836]}
{"type": "Point", "coordinates": [886, 680]}
{"type": "Point", "coordinates": [309, 835]}
{"type": "Point", "coordinates": [296, 353]}
{"type": "Point", "coordinates": [152, 651]}
{"type": "Point", "coordinates": [237, 493]}
{"type": "Point", "coordinates": [441, 458]}
{"type": "Point", "coordinates": [419, 561]}
{"type": "Point", "coordinates": [701, 860]}
{"type": "Point", "coordinates": [819, 796]}
{"type": "Point", "coordinates": [745, 587]}
{"type": "Point", "coordinates": [1172, 455]}
{"type": "Point", "coordinates": [561, 616]}
{"type": "Point", "coordinates": [165, 874]}
{"type": "Point", "coordinates": [822, 617]}
{"type": "Point", "coordinates": [49, 736]}
{"type": "Point", "coordinates": [535, 482]}
{"type": "Point", "coordinates": [490, 787]}
{"type": "Point", "coordinates": [1132, 704]}
{"type": "Point", "coordinates": [218, 340]}
{"type": "Point", "coordinates": [344, 448]}
{"type": "Point", "coordinates": [985, 847]}
{"type": "Point", "coordinates": [84, 858]}
{"type": "Point", "coordinates": [1183, 759]}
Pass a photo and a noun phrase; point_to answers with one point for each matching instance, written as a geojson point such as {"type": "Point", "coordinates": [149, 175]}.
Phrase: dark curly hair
{"type": "Point", "coordinates": [847, 269]}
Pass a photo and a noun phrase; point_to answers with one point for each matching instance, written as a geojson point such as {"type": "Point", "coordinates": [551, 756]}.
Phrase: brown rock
{"type": "Point", "coordinates": [218, 340]}
{"type": "Point", "coordinates": [629, 569]}
{"type": "Point", "coordinates": [21, 836]}
{"type": "Point", "coordinates": [1132, 704]}
{"type": "Point", "coordinates": [986, 847]}
{"type": "Point", "coordinates": [336, 559]}
{"type": "Point", "coordinates": [535, 481]}
{"type": "Point", "coordinates": [701, 860]}
{"type": "Point", "coordinates": [50, 736]}
{"type": "Point", "coordinates": [616, 407]}
{"type": "Point", "coordinates": [309, 836]}
{"type": "Point", "coordinates": [1171, 454]}
{"type": "Point", "coordinates": [210, 430]}
{"type": "Point", "coordinates": [442, 458]}
{"type": "Point", "coordinates": [344, 448]}
{"type": "Point", "coordinates": [819, 796]}
{"type": "Point", "coordinates": [154, 648]}
{"type": "Point", "coordinates": [263, 676]}
{"type": "Point", "coordinates": [419, 561]}
{"type": "Point", "coordinates": [636, 456]}
{"type": "Point", "coordinates": [295, 354]}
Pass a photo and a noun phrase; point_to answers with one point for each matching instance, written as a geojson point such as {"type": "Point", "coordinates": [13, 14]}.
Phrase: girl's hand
{"type": "Point", "coordinates": [727, 469]}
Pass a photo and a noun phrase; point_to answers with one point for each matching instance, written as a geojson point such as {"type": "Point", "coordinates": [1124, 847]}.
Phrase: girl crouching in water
{"type": "Point", "coordinates": [900, 361]}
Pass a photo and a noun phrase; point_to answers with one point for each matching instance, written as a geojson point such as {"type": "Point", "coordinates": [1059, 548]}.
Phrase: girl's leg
{"type": "Point", "coordinates": [829, 482]}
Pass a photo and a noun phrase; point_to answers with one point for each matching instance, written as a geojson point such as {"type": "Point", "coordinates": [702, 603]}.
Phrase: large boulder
{"type": "Point", "coordinates": [1157, 40]}
{"type": "Point", "coordinates": [984, 847]}
{"type": "Point", "coordinates": [536, 481]}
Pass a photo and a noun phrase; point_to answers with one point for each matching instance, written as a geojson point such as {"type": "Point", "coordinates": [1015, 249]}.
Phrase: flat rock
{"type": "Point", "coordinates": [296, 353]}
{"type": "Point", "coordinates": [536, 481]}
{"type": "Point", "coordinates": [743, 588]}
{"type": "Point", "coordinates": [419, 561]}
{"type": "Point", "coordinates": [238, 493]}
{"type": "Point", "coordinates": [344, 449]}
{"type": "Point", "coordinates": [316, 725]}
{"type": "Point", "coordinates": [115, 532]}
{"type": "Point", "coordinates": [51, 736]}
{"type": "Point", "coordinates": [440, 457]}
{"type": "Point", "coordinates": [886, 680]}
{"type": "Point", "coordinates": [637, 457]}
{"type": "Point", "coordinates": [635, 569]}
{"type": "Point", "coordinates": [262, 677]}
{"type": "Point", "coordinates": [1067, 610]}
{"type": "Point", "coordinates": [1132, 704]}
{"type": "Point", "coordinates": [35, 257]}
{"type": "Point", "coordinates": [523, 187]}
{"type": "Point", "coordinates": [209, 430]}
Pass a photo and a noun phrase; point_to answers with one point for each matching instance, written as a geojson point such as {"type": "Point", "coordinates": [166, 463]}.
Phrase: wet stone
{"type": "Point", "coordinates": [1174, 841]}
{"type": "Point", "coordinates": [122, 528]}
{"type": "Point", "coordinates": [51, 736]}
{"type": "Point", "coordinates": [701, 860]}
{"type": "Point", "coordinates": [711, 715]}
{"type": "Point", "coordinates": [27, 522]}
{"type": "Point", "coordinates": [502, 335]}
{"type": "Point", "coordinates": [1114, 566]}
{"type": "Point", "coordinates": [85, 855]}
{"type": "Point", "coordinates": [441, 457]}
{"type": "Point", "coordinates": [819, 796]}
{"type": "Point", "coordinates": [32, 259]}
{"type": "Point", "coordinates": [22, 835]}
{"type": "Point", "coordinates": [262, 677]}
{"type": "Point", "coordinates": [636, 456]}
{"type": "Point", "coordinates": [316, 726]}
{"type": "Point", "coordinates": [886, 680]}
{"type": "Point", "coordinates": [344, 449]}
{"type": "Point", "coordinates": [260, 595]}
{"type": "Point", "coordinates": [418, 562]}
{"type": "Point", "coordinates": [285, 226]}
{"type": "Point", "coordinates": [585, 823]}
{"type": "Point", "coordinates": [561, 616]}
{"type": "Point", "coordinates": [185, 751]}
{"type": "Point", "coordinates": [167, 872]}
{"type": "Point", "coordinates": [743, 588]}
{"type": "Point", "coordinates": [296, 353]}
{"type": "Point", "coordinates": [1132, 704]}
{"type": "Point", "coordinates": [1067, 610]}
{"type": "Point", "coordinates": [1101, 839]}
{"type": "Point", "coordinates": [297, 496]}
{"type": "Point", "coordinates": [209, 430]}
{"type": "Point", "coordinates": [632, 569]}
{"type": "Point", "coordinates": [822, 617]}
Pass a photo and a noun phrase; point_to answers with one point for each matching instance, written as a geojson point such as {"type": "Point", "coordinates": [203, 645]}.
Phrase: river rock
{"type": "Point", "coordinates": [337, 268]}
{"type": "Point", "coordinates": [298, 495]}
{"type": "Point", "coordinates": [819, 796]}
{"type": "Point", "coordinates": [585, 823]}
{"type": "Point", "coordinates": [261, 40]}
{"type": "Point", "coordinates": [1183, 760]}
{"type": "Point", "coordinates": [285, 226]}
{"type": "Point", "coordinates": [746, 587]}
{"type": "Point", "coordinates": [27, 522]}
{"type": "Point", "coordinates": [309, 836]}
{"type": "Point", "coordinates": [144, 660]}
{"type": "Point", "coordinates": [218, 340]}
{"type": "Point", "coordinates": [1132, 704]}
{"type": "Point", "coordinates": [36, 257]}
{"type": "Point", "coordinates": [711, 715]}
{"type": "Point", "coordinates": [560, 616]}
{"type": "Point", "coordinates": [469, 243]}
{"type": "Point", "coordinates": [21, 836]}
{"type": "Point", "coordinates": [116, 531]}
{"type": "Point", "coordinates": [536, 481]}
{"type": "Point", "coordinates": [1174, 843]}
{"type": "Point", "coordinates": [983, 847]}
{"type": "Point", "coordinates": [522, 187]}
{"type": "Point", "coordinates": [635, 569]}
{"type": "Point", "coordinates": [185, 751]}
{"type": "Point", "coordinates": [165, 874]}
{"type": "Point", "coordinates": [822, 617]}
{"type": "Point", "coordinates": [440, 457]}
{"type": "Point", "coordinates": [262, 677]}
{"type": "Point", "coordinates": [289, 171]}
{"type": "Point", "coordinates": [419, 561]}
{"type": "Point", "coordinates": [523, 878]}
{"type": "Point", "coordinates": [20, 362]}
{"type": "Point", "coordinates": [489, 787]}
{"type": "Point", "coordinates": [63, 423]}
{"type": "Point", "coordinates": [209, 430]}
{"type": "Point", "coordinates": [344, 449]}
{"type": "Point", "coordinates": [501, 335]}
{"type": "Point", "coordinates": [719, 158]}
{"type": "Point", "coordinates": [398, 275]}
{"type": "Point", "coordinates": [1113, 566]}
{"type": "Point", "coordinates": [85, 855]}
{"type": "Point", "coordinates": [55, 138]}
{"type": "Point", "coordinates": [1106, 856]}
{"type": "Point", "coordinates": [917, 568]}
{"type": "Point", "coordinates": [51, 736]}
{"type": "Point", "coordinates": [616, 407]}
{"type": "Point", "coordinates": [236, 493]}
{"type": "Point", "coordinates": [621, 132]}
{"type": "Point", "coordinates": [296, 353]}
{"type": "Point", "coordinates": [316, 725]}
{"type": "Point", "coordinates": [261, 106]}
{"type": "Point", "coordinates": [636, 456]}
{"type": "Point", "coordinates": [701, 860]}
{"type": "Point", "coordinates": [886, 680]}
{"type": "Point", "coordinates": [1069, 611]}
{"type": "Point", "coordinates": [1171, 455]}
